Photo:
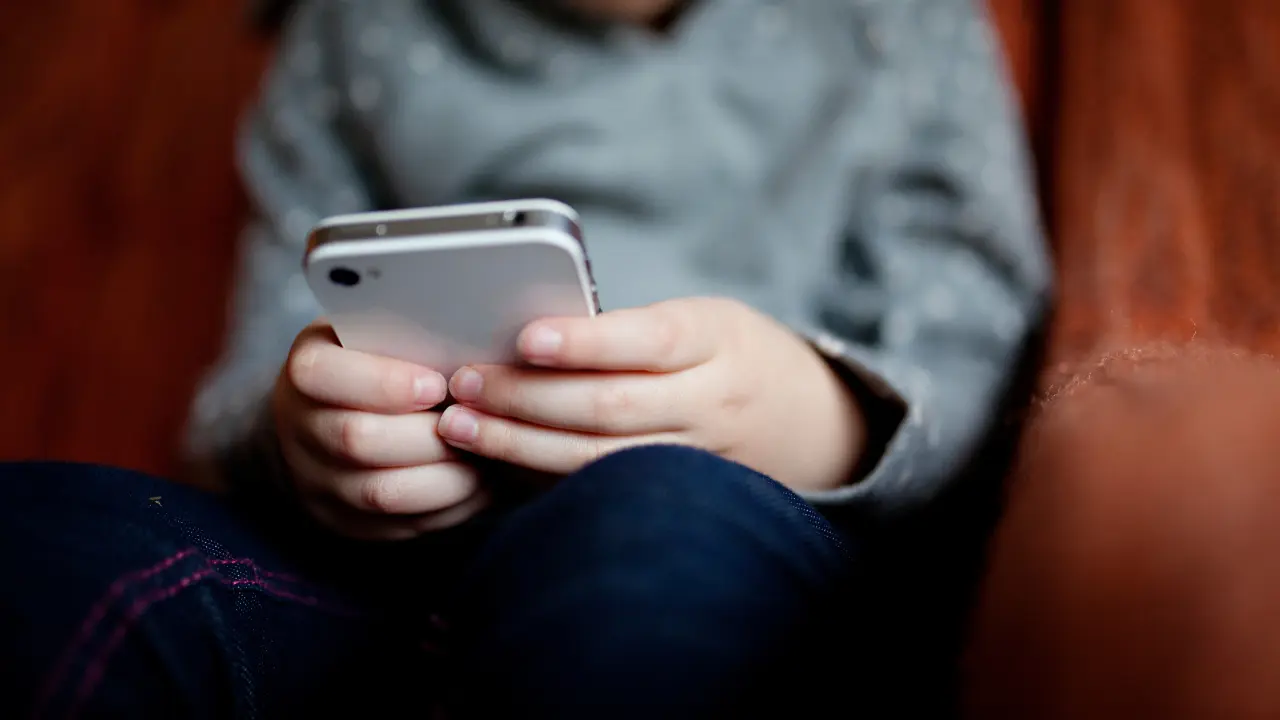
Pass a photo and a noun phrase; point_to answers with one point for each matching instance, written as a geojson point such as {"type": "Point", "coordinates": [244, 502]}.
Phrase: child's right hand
{"type": "Point", "coordinates": [358, 435]}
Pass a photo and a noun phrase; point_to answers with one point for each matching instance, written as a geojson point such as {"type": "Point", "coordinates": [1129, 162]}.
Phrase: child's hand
{"type": "Point", "coordinates": [710, 373]}
{"type": "Point", "coordinates": [358, 436]}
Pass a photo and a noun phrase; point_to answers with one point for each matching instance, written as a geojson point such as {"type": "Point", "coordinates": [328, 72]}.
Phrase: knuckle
{"type": "Point", "coordinates": [496, 440]}
{"type": "Point", "coordinates": [397, 386]}
{"type": "Point", "coordinates": [732, 400]}
{"type": "Point", "coordinates": [502, 441]}
{"type": "Point", "coordinates": [301, 368]}
{"type": "Point", "coordinates": [670, 330]}
{"type": "Point", "coordinates": [610, 404]}
{"type": "Point", "coordinates": [503, 397]}
{"type": "Point", "coordinates": [354, 435]}
{"type": "Point", "coordinates": [380, 493]}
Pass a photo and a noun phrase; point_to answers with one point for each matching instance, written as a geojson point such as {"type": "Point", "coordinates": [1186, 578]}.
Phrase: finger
{"type": "Point", "coordinates": [324, 371]}
{"type": "Point", "coordinates": [592, 402]}
{"type": "Point", "coordinates": [534, 447]}
{"type": "Point", "coordinates": [410, 490]}
{"type": "Point", "coordinates": [391, 491]}
{"type": "Point", "coordinates": [352, 523]}
{"type": "Point", "coordinates": [369, 440]}
{"type": "Point", "coordinates": [659, 338]}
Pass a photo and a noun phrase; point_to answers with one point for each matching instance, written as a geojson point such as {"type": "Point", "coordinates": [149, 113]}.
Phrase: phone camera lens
{"type": "Point", "coordinates": [346, 277]}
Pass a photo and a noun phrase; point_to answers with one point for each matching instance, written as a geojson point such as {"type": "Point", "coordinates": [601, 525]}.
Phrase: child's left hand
{"type": "Point", "coordinates": [710, 373]}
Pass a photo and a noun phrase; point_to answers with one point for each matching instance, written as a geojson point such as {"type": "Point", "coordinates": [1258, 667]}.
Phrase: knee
{"type": "Point", "coordinates": [666, 509]}
{"type": "Point", "coordinates": [1133, 570]}
{"type": "Point", "coordinates": [668, 571]}
{"type": "Point", "coordinates": [678, 477]}
{"type": "Point", "coordinates": [676, 487]}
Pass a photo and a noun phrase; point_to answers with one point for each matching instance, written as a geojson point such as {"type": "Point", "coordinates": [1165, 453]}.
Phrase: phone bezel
{"type": "Point", "coordinates": [447, 220]}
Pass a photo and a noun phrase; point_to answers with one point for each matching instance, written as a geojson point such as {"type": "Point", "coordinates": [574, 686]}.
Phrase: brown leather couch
{"type": "Point", "coordinates": [1134, 573]}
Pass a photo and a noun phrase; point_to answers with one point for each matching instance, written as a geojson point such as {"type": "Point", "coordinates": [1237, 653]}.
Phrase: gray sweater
{"type": "Point", "coordinates": [854, 168]}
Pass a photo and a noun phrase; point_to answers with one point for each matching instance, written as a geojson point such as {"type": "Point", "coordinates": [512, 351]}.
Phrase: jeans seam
{"type": "Point", "coordinates": [93, 620]}
{"type": "Point", "coordinates": [280, 586]}
{"type": "Point", "coordinates": [96, 668]}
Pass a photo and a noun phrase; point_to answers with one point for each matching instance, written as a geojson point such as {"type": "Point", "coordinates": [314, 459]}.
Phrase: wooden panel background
{"type": "Point", "coordinates": [119, 210]}
{"type": "Point", "coordinates": [119, 206]}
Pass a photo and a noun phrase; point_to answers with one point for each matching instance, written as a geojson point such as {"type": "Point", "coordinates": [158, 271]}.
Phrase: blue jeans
{"type": "Point", "coordinates": [659, 581]}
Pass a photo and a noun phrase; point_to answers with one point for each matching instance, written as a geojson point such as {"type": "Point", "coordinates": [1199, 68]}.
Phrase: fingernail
{"type": "Point", "coordinates": [459, 425]}
{"type": "Point", "coordinates": [427, 390]}
{"type": "Point", "coordinates": [466, 384]}
{"type": "Point", "coordinates": [542, 340]}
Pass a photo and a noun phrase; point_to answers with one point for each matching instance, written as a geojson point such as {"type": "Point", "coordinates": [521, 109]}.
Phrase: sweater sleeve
{"type": "Point", "coordinates": [943, 271]}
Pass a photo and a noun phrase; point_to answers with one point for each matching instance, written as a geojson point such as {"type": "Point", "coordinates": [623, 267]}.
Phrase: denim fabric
{"type": "Point", "coordinates": [658, 581]}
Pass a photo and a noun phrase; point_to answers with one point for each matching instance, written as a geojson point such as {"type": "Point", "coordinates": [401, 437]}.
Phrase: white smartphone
{"type": "Point", "coordinates": [449, 286]}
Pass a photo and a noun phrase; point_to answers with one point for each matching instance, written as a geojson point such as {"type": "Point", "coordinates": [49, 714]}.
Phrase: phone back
{"type": "Point", "coordinates": [444, 301]}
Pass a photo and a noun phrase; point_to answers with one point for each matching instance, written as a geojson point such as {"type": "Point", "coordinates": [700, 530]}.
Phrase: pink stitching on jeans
{"type": "Point", "coordinates": [118, 587]}
{"type": "Point", "coordinates": [274, 590]}
{"type": "Point", "coordinates": [258, 570]}
{"type": "Point", "coordinates": [94, 618]}
{"type": "Point", "coordinates": [96, 669]}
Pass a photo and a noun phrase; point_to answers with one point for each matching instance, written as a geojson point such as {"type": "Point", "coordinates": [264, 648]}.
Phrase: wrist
{"type": "Point", "coordinates": [842, 431]}
{"type": "Point", "coordinates": [822, 435]}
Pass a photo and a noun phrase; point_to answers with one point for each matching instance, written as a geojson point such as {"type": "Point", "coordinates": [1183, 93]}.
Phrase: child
{"type": "Point", "coordinates": [812, 226]}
